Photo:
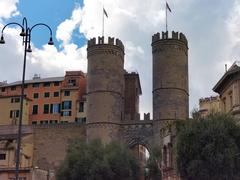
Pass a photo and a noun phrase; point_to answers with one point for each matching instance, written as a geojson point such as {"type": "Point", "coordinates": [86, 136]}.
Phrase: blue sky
{"type": "Point", "coordinates": [211, 27]}
{"type": "Point", "coordinates": [50, 12]}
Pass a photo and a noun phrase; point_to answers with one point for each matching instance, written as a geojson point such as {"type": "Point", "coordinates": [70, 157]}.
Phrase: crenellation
{"type": "Point", "coordinates": [208, 99]}
{"type": "Point", "coordinates": [100, 40]}
{"type": "Point", "coordinates": [119, 43]}
{"type": "Point", "coordinates": [183, 38]}
{"type": "Point", "coordinates": [175, 35]}
{"type": "Point", "coordinates": [165, 36]}
{"type": "Point", "coordinates": [111, 40]}
{"type": "Point", "coordinates": [156, 37]}
{"type": "Point", "coordinates": [92, 42]}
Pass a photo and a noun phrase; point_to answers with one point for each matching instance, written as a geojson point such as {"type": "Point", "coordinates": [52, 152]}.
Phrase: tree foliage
{"type": "Point", "coordinates": [94, 161]}
{"type": "Point", "coordinates": [209, 149]}
{"type": "Point", "coordinates": [153, 164]}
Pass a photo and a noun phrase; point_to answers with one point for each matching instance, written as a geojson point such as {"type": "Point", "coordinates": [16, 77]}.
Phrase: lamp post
{"type": "Point", "coordinates": [26, 34]}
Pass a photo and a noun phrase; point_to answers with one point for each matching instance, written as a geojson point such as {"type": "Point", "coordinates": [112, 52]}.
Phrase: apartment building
{"type": "Point", "coordinates": [51, 100]}
{"type": "Point", "coordinates": [10, 110]}
{"type": "Point", "coordinates": [8, 144]}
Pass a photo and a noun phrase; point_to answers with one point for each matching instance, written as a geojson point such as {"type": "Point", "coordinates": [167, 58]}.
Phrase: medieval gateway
{"type": "Point", "coordinates": [112, 101]}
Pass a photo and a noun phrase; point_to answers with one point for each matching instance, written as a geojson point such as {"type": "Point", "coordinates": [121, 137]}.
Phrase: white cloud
{"type": "Point", "coordinates": [66, 28]}
{"type": "Point", "coordinates": [8, 8]}
{"type": "Point", "coordinates": [48, 61]}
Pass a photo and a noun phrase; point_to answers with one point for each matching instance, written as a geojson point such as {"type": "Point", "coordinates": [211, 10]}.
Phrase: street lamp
{"type": "Point", "coordinates": [26, 34]}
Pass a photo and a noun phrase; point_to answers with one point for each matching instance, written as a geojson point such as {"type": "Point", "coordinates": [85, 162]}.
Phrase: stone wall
{"type": "Point", "coordinates": [51, 143]}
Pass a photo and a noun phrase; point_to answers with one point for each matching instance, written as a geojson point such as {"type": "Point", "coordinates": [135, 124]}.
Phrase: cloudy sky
{"type": "Point", "coordinates": [212, 29]}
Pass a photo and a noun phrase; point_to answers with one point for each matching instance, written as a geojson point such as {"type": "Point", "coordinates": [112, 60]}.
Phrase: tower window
{"type": "Point", "coordinates": [72, 82]}
{"type": "Point", "coordinates": [81, 107]}
{"type": "Point", "coordinates": [56, 83]}
{"type": "Point", "coordinates": [55, 108]}
{"type": "Point", "coordinates": [56, 94]}
{"type": "Point", "coordinates": [46, 84]}
{"type": "Point", "coordinates": [66, 93]}
{"type": "Point", "coordinates": [35, 109]}
{"type": "Point", "coordinates": [66, 113]}
{"type": "Point", "coordinates": [35, 85]}
{"type": "Point", "coordinates": [15, 100]}
{"type": "Point", "coordinates": [46, 94]}
{"type": "Point", "coordinates": [2, 156]}
{"type": "Point", "coordinates": [35, 95]}
{"type": "Point", "coordinates": [14, 113]}
{"type": "Point", "coordinates": [46, 108]}
{"type": "Point", "coordinates": [66, 104]}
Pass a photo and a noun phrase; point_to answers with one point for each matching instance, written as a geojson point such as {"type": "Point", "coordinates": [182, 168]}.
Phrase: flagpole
{"type": "Point", "coordinates": [103, 22]}
{"type": "Point", "coordinates": [166, 16]}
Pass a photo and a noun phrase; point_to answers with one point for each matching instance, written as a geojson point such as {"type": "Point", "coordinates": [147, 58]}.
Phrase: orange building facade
{"type": "Point", "coordinates": [52, 100]}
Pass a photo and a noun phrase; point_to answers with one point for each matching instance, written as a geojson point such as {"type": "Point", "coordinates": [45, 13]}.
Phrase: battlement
{"type": "Point", "coordinates": [209, 99]}
{"type": "Point", "coordinates": [165, 36]}
{"type": "Point", "coordinates": [111, 41]}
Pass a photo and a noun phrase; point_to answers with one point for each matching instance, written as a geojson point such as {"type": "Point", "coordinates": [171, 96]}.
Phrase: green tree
{"type": "Point", "coordinates": [209, 149]}
{"type": "Point", "coordinates": [153, 168]}
{"type": "Point", "coordinates": [94, 161]}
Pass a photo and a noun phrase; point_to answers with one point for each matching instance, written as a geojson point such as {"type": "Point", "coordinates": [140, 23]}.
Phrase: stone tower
{"type": "Point", "coordinates": [105, 88]}
{"type": "Point", "coordinates": [170, 94]}
{"type": "Point", "coordinates": [170, 76]}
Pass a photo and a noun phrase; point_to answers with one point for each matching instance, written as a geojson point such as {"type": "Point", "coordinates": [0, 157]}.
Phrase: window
{"type": "Point", "coordinates": [46, 94]}
{"type": "Point", "coordinates": [35, 95]}
{"type": "Point", "coordinates": [72, 82]}
{"type": "Point", "coordinates": [224, 104]}
{"type": "Point", "coordinates": [46, 108]}
{"type": "Point", "coordinates": [56, 94]}
{"type": "Point", "coordinates": [2, 156]}
{"type": "Point", "coordinates": [3, 89]}
{"type": "Point", "coordinates": [66, 93]}
{"type": "Point", "coordinates": [35, 109]}
{"type": "Point", "coordinates": [56, 83]}
{"type": "Point", "coordinates": [80, 120]}
{"type": "Point", "coordinates": [44, 122]}
{"type": "Point", "coordinates": [34, 122]}
{"type": "Point", "coordinates": [53, 121]}
{"type": "Point", "coordinates": [63, 122]}
{"type": "Point", "coordinates": [15, 100]}
{"type": "Point", "coordinates": [81, 107]}
{"type": "Point", "coordinates": [55, 108]}
{"type": "Point", "coordinates": [46, 84]}
{"type": "Point", "coordinates": [66, 104]}
{"type": "Point", "coordinates": [25, 85]}
{"type": "Point", "coordinates": [13, 88]}
{"type": "Point", "coordinates": [66, 113]}
{"type": "Point", "coordinates": [35, 85]}
{"type": "Point", "coordinates": [14, 113]}
{"type": "Point", "coordinates": [231, 101]}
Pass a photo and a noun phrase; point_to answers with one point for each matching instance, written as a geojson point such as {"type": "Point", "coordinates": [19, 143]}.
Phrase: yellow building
{"type": "Point", "coordinates": [10, 110]}
{"type": "Point", "coordinates": [209, 105]}
{"type": "Point", "coordinates": [8, 146]}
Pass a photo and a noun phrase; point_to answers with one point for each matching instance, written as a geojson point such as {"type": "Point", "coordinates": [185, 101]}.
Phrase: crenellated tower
{"type": "Point", "coordinates": [105, 88]}
{"type": "Point", "coordinates": [170, 76]}
{"type": "Point", "coordinates": [170, 94]}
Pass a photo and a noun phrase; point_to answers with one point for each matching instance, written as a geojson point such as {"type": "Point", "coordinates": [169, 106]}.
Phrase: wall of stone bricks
{"type": "Point", "coordinates": [51, 143]}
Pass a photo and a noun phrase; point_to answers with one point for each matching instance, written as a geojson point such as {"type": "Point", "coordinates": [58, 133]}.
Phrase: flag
{"type": "Point", "coordinates": [105, 12]}
{"type": "Point", "coordinates": [167, 6]}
